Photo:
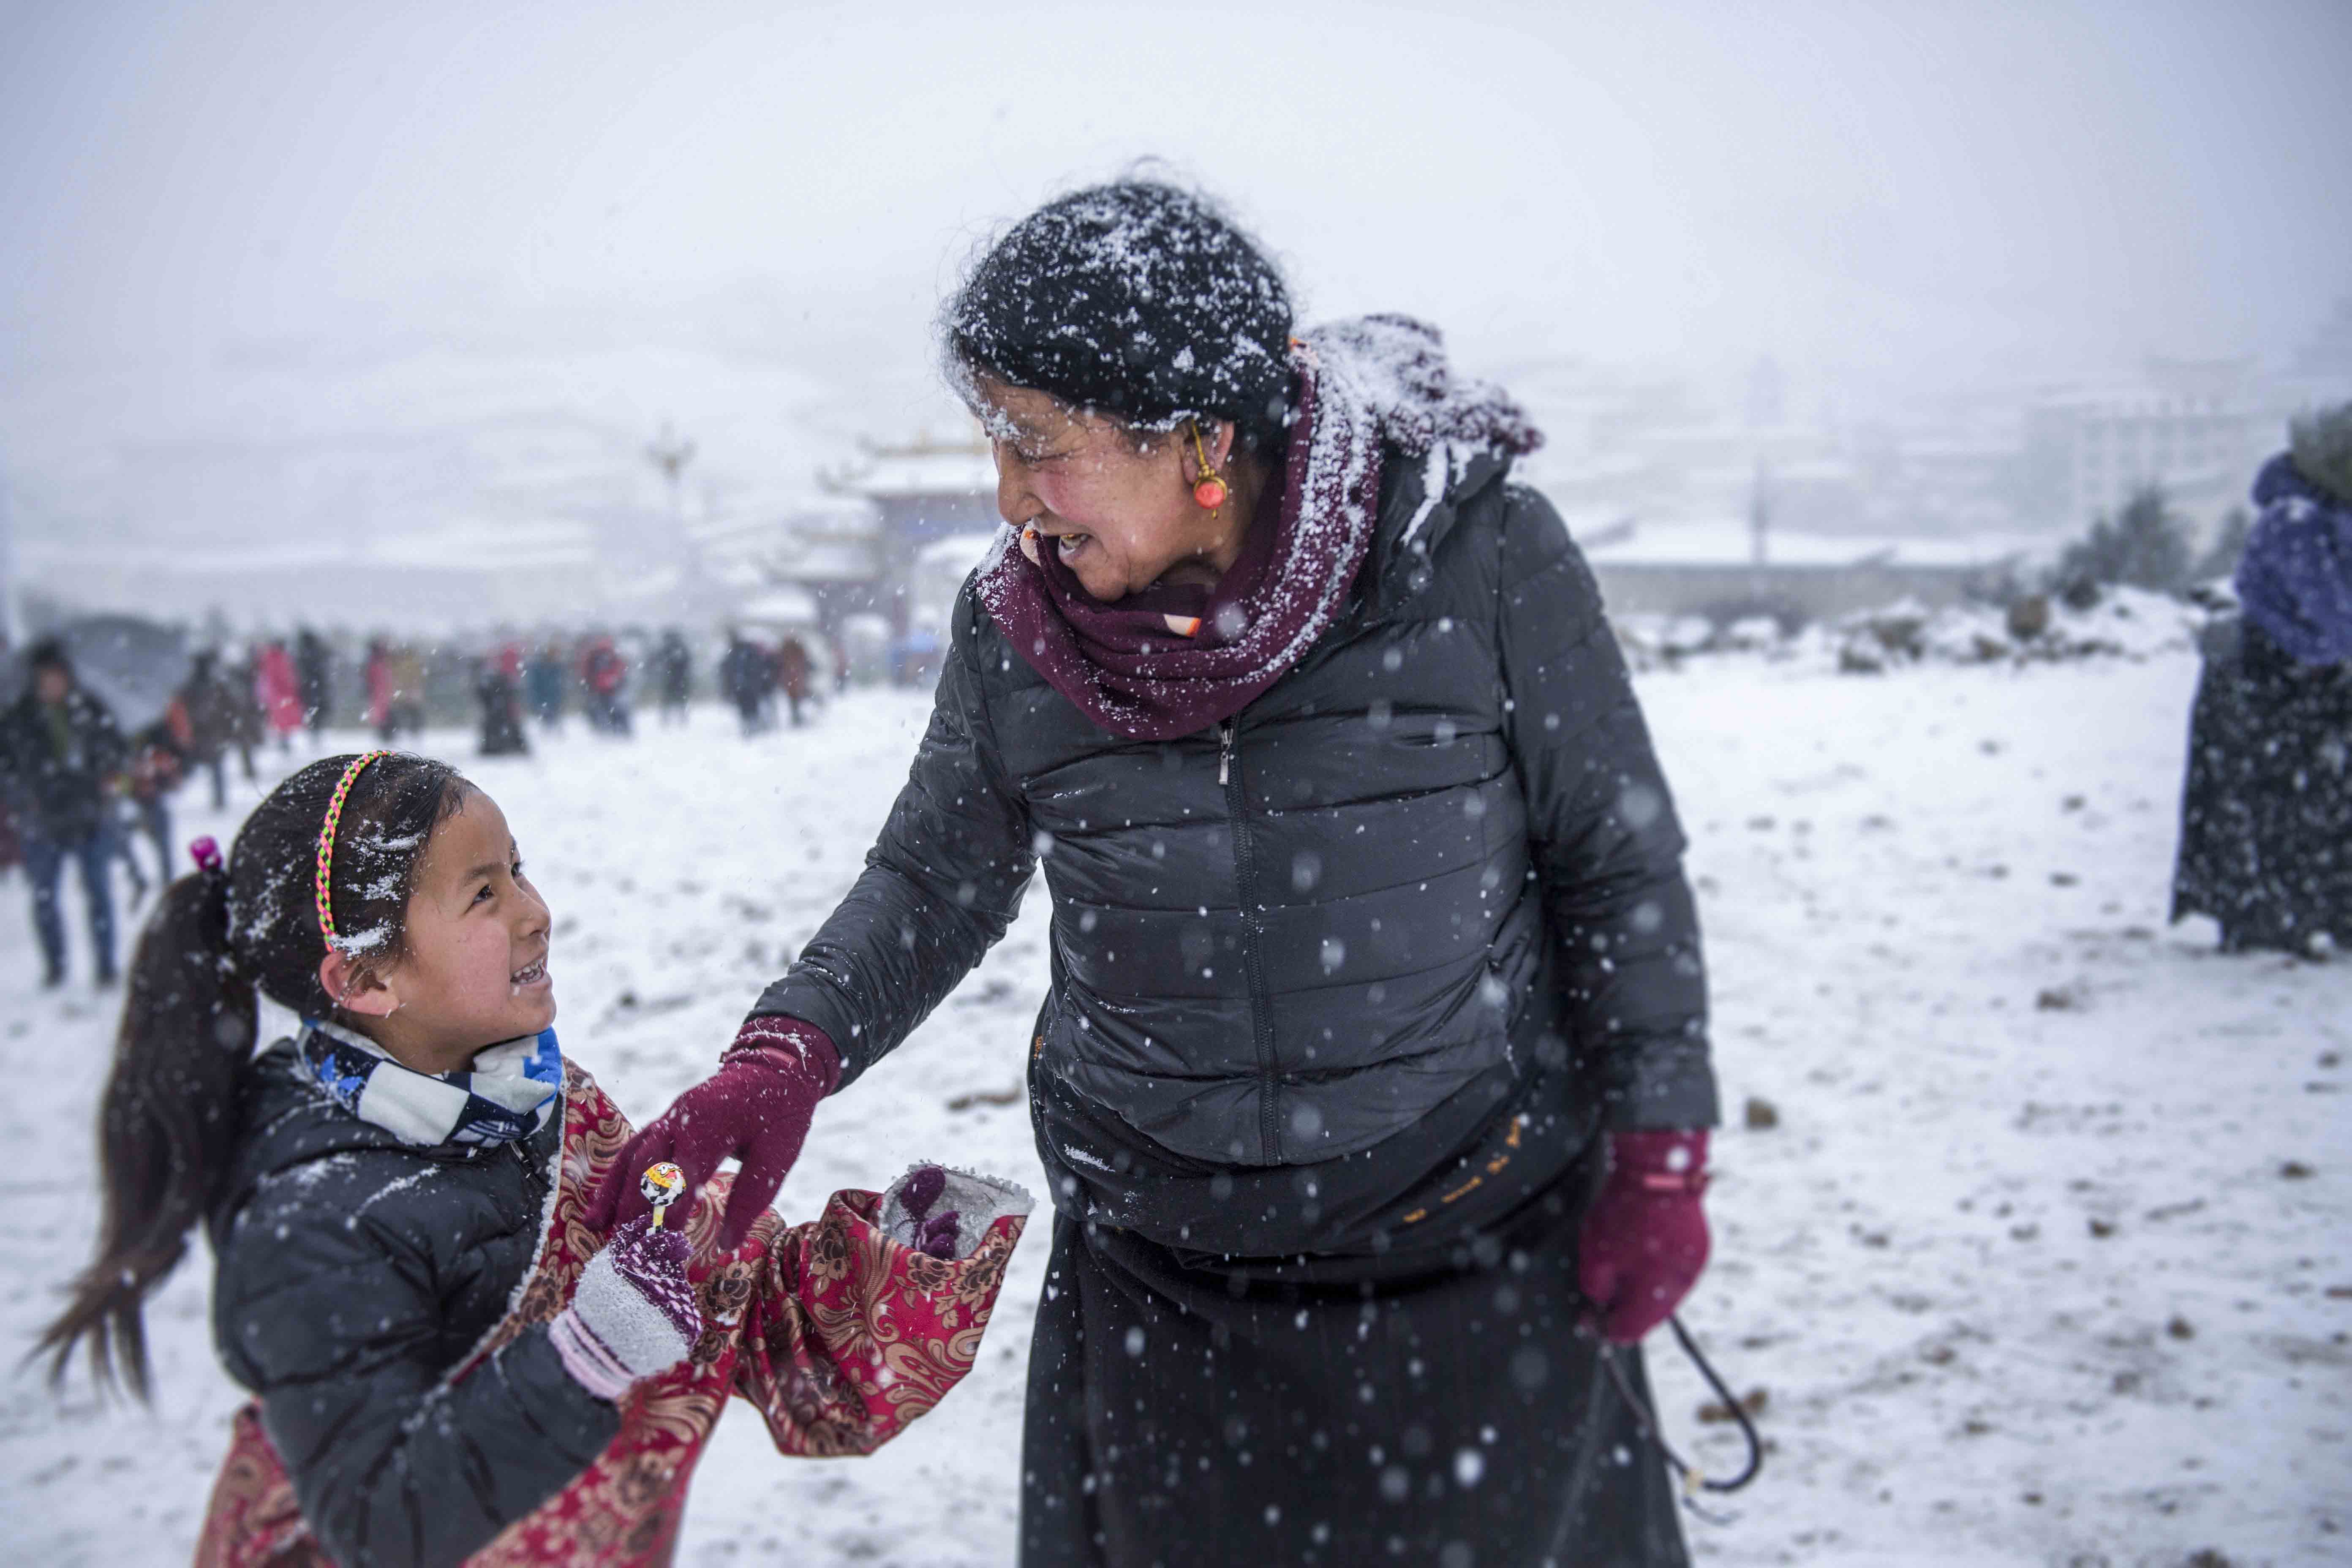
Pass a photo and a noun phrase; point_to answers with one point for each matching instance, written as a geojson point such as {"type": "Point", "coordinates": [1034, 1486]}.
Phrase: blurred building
{"type": "Point", "coordinates": [2197, 429]}
{"type": "Point", "coordinates": [830, 550]}
{"type": "Point", "coordinates": [1740, 506]}
{"type": "Point", "coordinates": [924, 490]}
{"type": "Point", "coordinates": [1708, 569]}
{"type": "Point", "coordinates": [881, 556]}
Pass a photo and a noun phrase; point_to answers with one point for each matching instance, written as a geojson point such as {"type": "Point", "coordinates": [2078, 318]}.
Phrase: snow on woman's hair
{"type": "Point", "coordinates": [1137, 299]}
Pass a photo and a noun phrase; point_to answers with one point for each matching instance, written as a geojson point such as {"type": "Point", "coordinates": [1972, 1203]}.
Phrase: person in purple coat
{"type": "Point", "coordinates": [2266, 808]}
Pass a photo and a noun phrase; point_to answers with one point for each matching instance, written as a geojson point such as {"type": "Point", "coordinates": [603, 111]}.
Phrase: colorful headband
{"type": "Point", "coordinates": [325, 884]}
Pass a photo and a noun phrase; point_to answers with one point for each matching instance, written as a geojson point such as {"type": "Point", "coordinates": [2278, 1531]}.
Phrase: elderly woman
{"type": "Point", "coordinates": [2266, 809]}
{"type": "Point", "coordinates": [1372, 1079]}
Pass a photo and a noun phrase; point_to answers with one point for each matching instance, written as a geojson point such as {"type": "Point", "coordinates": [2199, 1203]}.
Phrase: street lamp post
{"type": "Point", "coordinates": [669, 454]}
{"type": "Point", "coordinates": [1759, 515]}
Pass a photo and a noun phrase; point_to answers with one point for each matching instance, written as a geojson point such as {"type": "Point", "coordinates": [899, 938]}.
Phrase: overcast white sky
{"type": "Point", "coordinates": [1889, 191]}
{"type": "Point", "coordinates": [1838, 180]}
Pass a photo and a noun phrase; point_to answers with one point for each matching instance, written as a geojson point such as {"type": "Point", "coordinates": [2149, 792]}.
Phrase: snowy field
{"type": "Point", "coordinates": [2046, 1260]}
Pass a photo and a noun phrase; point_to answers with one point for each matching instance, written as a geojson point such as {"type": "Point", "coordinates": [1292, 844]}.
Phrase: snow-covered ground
{"type": "Point", "coordinates": [2021, 1270]}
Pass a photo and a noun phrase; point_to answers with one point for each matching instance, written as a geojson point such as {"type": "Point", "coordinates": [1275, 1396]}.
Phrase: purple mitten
{"type": "Point", "coordinates": [939, 1234]}
{"type": "Point", "coordinates": [934, 1234]}
{"type": "Point", "coordinates": [654, 1262]}
{"type": "Point", "coordinates": [921, 1187]}
{"type": "Point", "coordinates": [912, 1217]}
{"type": "Point", "coordinates": [632, 1314]}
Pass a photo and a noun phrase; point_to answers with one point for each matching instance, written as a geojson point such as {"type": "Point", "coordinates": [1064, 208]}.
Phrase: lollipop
{"type": "Point", "coordinates": [661, 1185]}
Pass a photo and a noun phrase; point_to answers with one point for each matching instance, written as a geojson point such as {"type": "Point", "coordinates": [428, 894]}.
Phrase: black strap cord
{"type": "Point", "coordinates": [1644, 1418]}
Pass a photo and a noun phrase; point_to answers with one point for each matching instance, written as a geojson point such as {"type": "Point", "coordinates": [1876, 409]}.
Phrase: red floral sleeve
{"type": "Point", "coordinates": [847, 1335]}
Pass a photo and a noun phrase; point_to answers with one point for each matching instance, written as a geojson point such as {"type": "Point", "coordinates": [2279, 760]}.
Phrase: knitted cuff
{"type": "Point", "coordinates": [591, 1363]}
{"type": "Point", "coordinates": [789, 1043]}
{"type": "Point", "coordinates": [1659, 1160]}
{"type": "Point", "coordinates": [612, 1336]}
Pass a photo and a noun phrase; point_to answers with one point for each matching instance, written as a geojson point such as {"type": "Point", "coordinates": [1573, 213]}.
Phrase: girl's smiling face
{"type": "Point", "coordinates": [473, 966]}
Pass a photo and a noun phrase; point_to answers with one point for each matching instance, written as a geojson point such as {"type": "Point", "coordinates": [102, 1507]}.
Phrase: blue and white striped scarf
{"type": "Point", "coordinates": [509, 1092]}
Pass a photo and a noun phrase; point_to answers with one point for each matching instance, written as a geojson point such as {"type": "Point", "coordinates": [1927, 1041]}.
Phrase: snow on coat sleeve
{"type": "Point", "coordinates": [941, 884]}
{"type": "Point", "coordinates": [338, 1331]}
{"type": "Point", "coordinates": [1603, 835]}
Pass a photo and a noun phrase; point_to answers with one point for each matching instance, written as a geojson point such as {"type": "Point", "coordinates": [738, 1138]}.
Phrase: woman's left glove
{"type": "Point", "coordinates": [1645, 1238]}
{"type": "Point", "coordinates": [756, 1109]}
{"type": "Point", "coordinates": [632, 1314]}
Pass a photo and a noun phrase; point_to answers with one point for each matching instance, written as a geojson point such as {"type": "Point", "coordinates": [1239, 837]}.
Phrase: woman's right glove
{"type": "Point", "coordinates": [632, 1314]}
{"type": "Point", "coordinates": [756, 1109]}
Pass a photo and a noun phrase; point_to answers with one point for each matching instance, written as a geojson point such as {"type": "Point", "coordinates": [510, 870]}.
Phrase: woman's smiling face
{"type": "Point", "coordinates": [1119, 514]}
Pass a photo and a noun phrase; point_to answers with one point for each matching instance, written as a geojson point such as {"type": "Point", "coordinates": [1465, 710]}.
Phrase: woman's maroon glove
{"type": "Point", "coordinates": [756, 1109]}
{"type": "Point", "coordinates": [1645, 1238]}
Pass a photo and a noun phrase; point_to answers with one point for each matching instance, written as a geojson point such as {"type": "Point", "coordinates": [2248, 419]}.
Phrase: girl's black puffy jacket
{"type": "Point", "coordinates": [1433, 871]}
{"type": "Point", "coordinates": [354, 1272]}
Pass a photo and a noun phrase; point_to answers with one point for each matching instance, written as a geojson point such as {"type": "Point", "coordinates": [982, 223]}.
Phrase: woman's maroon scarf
{"type": "Point", "coordinates": [1172, 661]}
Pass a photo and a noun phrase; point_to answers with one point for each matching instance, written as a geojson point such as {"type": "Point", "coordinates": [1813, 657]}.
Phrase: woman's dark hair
{"type": "Point", "coordinates": [168, 1123]}
{"type": "Point", "coordinates": [1136, 299]}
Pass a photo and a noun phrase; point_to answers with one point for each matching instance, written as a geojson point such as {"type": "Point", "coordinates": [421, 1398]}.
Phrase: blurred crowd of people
{"type": "Point", "coordinates": [515, 683]}
{"type": "Point", "coordinates": [756, 678]}
{"type": "Point", "coordinates": [80, 789]}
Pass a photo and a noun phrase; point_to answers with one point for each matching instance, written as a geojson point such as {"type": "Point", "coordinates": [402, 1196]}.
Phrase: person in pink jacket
{"type": "Point", "coordinates": [279, 692]}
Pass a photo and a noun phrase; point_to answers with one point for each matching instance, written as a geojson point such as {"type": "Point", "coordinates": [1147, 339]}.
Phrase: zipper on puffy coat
{"type": "Point", "coordinates": [1229, 773]}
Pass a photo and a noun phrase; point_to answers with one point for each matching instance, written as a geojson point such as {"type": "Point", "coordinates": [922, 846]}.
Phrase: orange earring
{"type": "Point", "coordinates": [1210, 491]}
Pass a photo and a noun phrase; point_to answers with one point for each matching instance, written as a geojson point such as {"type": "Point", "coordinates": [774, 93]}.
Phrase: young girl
{"type": "Point", "coordinates": [447, 1362]}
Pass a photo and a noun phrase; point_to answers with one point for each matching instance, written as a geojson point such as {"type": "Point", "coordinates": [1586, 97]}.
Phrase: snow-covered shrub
{"type": "Point", "coordinates": [2126, 623]}
{"type": "Point", "coordinates": [1653, 642]}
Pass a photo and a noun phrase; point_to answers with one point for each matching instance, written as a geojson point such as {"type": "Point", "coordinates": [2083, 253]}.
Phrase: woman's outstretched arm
{"type": "Point", "coordinates": [941, 883]}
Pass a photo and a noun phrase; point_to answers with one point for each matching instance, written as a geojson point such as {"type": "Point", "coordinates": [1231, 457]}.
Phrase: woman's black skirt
{"type": "Point", "coordinates": [1442, 1411]}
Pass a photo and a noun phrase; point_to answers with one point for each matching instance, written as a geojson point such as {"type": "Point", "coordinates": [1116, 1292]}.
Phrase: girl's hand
{"type": "Point", "coordinates": [755, 1108]}
{"type": "Point", "coordinates": [1645, 1238]}
{"type": "Point", "coordinates": [632, 1314]}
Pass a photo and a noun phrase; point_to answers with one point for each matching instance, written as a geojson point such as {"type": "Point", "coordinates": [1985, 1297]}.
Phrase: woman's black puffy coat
{"type": "Point", "coordinates": [1434, 859]}
{"type": "Point", "coordinates": [354, 1272]}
